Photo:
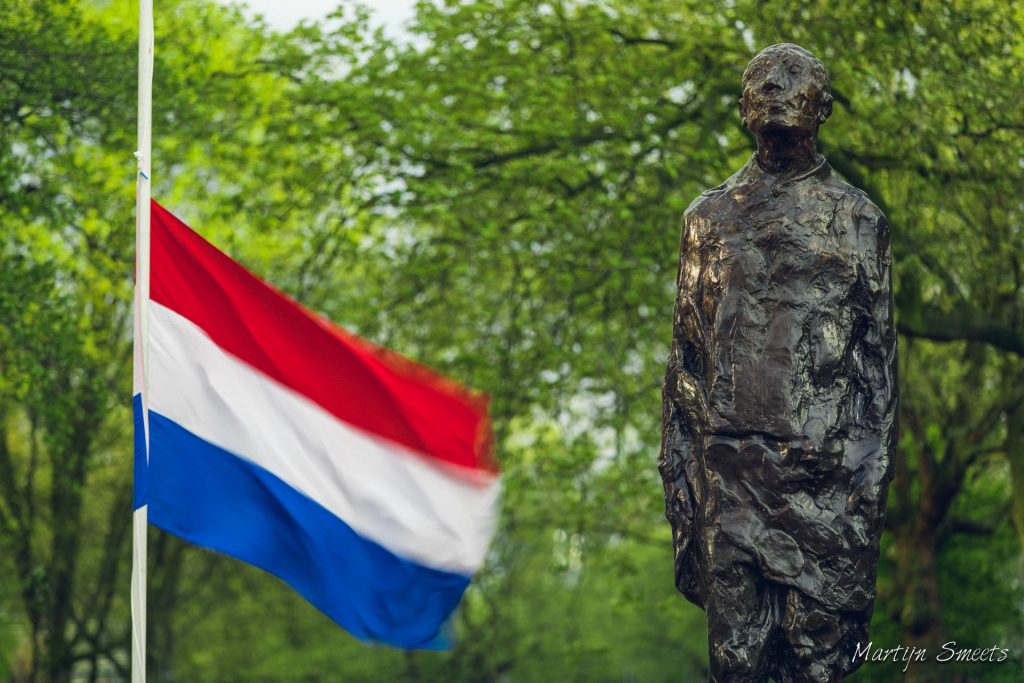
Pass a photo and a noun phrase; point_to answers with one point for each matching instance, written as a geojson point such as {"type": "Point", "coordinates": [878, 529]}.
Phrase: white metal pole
{"type": "Point", "coordinates": [142, 197]}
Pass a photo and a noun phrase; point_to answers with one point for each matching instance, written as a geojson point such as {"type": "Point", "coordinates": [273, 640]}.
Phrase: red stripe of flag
{"type": "Point", "coordinates": [362, 384]}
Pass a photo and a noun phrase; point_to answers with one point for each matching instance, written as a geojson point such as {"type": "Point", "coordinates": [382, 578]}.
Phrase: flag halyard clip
{"type": "Point", "coordinates": [138, 158]}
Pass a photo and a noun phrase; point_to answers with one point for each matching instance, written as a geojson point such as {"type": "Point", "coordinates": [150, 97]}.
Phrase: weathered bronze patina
{"type": "Point", "coordinates": [780, 397]}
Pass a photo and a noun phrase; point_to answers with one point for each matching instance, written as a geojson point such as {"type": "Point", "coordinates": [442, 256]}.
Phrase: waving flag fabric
{"type": "Point", "coordinates": [363, 480]}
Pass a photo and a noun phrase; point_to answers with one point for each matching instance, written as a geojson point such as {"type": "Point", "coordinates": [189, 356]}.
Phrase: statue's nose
{"type": "Point", "coordinates": [775, 80]}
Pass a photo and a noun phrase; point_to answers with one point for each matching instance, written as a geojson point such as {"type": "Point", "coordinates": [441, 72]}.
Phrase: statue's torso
{"type": "Point", "coordinates": [768, 286]}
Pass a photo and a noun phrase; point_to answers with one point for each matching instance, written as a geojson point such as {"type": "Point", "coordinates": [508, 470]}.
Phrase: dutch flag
{"type": "Point", "coordinates": [363, 480]}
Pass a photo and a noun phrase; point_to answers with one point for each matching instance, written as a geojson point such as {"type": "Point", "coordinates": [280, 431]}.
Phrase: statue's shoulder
{"type": "Point", "coordinates": [858, 205]}
{"type": "Point", "coordinates": [703, 200]}
{"type": "Point", "coordinates": [707, 199]}
{"type": "Point", "coordinates": [864, 223]}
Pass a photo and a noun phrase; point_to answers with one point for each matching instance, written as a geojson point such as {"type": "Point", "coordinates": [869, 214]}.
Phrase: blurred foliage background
{"type": "Point", "coordinates": [499, 197]}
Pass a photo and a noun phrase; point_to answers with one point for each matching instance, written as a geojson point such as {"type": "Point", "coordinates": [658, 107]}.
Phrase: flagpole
{"type": "Point", "coordinates": [142, 197]}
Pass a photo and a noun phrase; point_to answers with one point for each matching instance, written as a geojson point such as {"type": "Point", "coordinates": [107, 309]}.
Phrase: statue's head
{"type": "Point", "coordinates": [785, 87]}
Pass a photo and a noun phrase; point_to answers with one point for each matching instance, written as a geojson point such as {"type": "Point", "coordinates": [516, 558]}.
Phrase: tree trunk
{"type": "Point", "coordinates": [168, 558]}
{"type": "Point", "coordinates": [66, 500]}
{"type": "Point", "coordinates": [920, 613]}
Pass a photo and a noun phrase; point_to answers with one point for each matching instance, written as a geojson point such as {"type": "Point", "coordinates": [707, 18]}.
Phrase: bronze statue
{"type": "Point", "coordinates": [779, 416]}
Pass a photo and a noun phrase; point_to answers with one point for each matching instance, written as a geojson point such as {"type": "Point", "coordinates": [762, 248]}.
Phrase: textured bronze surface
{"type": "Point", "coordinates": [779, 418]}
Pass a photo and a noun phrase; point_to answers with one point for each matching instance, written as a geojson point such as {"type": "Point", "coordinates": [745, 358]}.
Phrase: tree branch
{"type": "Point", "coordinates": [636, 40]}
{"type": "Point", "coordinates": [973, 527]}
{"type": "Point", "coordinates": [965, 326]}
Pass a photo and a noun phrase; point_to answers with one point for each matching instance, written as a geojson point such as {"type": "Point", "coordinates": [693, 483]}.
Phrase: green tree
{"type": "Point", "coordinates": [62, 344]}
{"type": "Point", "coordinates": [500, 198]}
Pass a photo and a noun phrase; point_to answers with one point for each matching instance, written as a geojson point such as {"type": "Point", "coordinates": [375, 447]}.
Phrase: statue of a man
{"type": "Point", "coordinates": [780, 396]}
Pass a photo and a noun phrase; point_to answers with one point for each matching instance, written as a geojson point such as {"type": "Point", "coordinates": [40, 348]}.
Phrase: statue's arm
{"type": "Point", "coordinates": [685, 377]}
{"type": "Point", "coordinates": [683, 405]}
{"type": "Point", "coordinates": [874, 435]}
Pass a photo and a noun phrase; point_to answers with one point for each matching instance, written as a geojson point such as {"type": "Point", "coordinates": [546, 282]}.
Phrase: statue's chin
{"type": "Point", "coordinates": [782, 125]}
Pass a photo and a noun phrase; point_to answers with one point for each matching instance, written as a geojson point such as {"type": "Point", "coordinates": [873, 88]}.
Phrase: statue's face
{"type": "Point", "coordinates": [785, 87]}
